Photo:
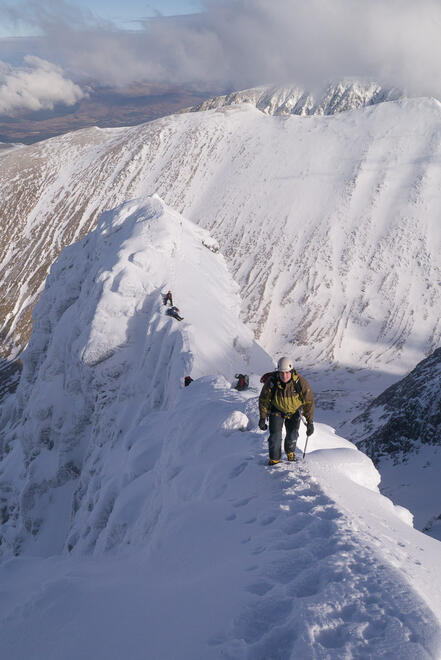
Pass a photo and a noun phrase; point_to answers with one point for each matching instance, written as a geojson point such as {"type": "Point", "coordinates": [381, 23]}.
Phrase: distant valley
{"type": "Point", "coordinates": [105, 107]}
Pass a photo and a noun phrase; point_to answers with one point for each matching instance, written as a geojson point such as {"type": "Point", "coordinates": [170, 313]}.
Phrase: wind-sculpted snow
{"type": "Point", "coordinates": [329, 224]}
{"type": "Point", "coordinates": [294, 100]}
{"type": "Point", "coordinates": [143, 513]}
{"type": "Point", "coordinates": [104, 356]}
{"type": "Point", "coordinates": [206, 553]}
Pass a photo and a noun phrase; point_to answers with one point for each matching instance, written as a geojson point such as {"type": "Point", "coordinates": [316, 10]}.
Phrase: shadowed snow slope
{"type": "Point", "coordinates": [103, 356]}
{"type": "Point", "coordinates": [145, 519]}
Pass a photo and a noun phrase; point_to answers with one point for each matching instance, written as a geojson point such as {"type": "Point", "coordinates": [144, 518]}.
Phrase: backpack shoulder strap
{"type": "Point", "coordinates": [298, 387]}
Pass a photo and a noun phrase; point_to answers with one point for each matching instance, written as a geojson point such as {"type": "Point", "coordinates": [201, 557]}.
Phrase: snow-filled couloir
{"type": "Point", "coordinates": [142, 514]}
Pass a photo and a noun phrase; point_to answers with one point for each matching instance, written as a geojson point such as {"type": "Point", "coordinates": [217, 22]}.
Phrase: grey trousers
{"type": "Point", "coordinates": [276, 423]}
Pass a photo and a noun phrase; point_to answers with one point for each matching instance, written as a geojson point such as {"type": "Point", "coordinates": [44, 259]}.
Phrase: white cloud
{"type": "Point", "coordinates": [241, 43]}
{"type": "Point", "coordinates": [250, 42]}
{"type": "Point", "coordinates": [37, 85]}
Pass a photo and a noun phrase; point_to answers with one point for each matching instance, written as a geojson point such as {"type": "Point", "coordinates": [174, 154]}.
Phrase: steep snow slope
{"type": "Point", "coordinates": [237, 562]}
{"type": "Point", "coordinates": [92, 372]}
{"type": "Point", "coordinates": [329, 224]}
{"type": "Point", "coordinates": [173, 538]}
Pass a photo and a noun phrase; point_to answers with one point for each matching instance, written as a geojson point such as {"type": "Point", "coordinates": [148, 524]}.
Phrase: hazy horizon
{"type": "Point", "coordinates": [229, 44]}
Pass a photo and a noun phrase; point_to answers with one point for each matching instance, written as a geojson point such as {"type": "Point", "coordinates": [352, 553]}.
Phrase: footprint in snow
{"type": "Point", "coordinates": [334, 638]}
{"type": "Point", "coordinates": [260, 588]}
{"type": "Point", "coordinates": [254, 623]}
{"type": "Point", "coordinates": [238, 470]}
{"type": "Point", "coordinates": [297, 524]}
{"type": "Point", "coordinates": [277, 645]}
{"type": "Point", "coordinates": [308, 584]}
{"type": "Point", "coordinates": [243, 502]}
{"type": "Point", "coordinates": [259, 550]}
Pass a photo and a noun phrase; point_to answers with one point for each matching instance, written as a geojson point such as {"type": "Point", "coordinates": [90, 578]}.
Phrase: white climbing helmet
{"type": "Point", "coordinates": [285, 364]}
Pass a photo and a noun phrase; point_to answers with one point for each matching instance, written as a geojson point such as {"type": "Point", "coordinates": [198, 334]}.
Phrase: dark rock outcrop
{"type": "Point", "coordinates": [405, 415]}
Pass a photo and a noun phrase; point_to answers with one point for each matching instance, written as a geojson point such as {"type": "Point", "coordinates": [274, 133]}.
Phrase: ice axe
{"type": "Point", "coordinates": [306, 443]}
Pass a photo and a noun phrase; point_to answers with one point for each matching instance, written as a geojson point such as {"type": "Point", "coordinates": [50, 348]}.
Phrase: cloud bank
{"type": "Point", "coordinates": [243, 43]}
{"type": "Point", "coordinates": [38, 85]}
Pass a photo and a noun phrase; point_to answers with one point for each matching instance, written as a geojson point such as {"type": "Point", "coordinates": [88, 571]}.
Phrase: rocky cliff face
{"type": "Point", "coordinates": [401, 431]}
{"type": "Point", "coordinates": [293, 100]}
{"type": "Point", "coordinates": [406, 415]}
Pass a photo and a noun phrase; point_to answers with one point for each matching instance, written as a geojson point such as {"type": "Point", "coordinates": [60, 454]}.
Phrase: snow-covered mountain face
{"type": "Point", "coordinates": [293, 100]}
{"type": "Point", "coordinates": [401, 431]}
{"type": "Point", "coordinates": [141, 511]}
{"type": "Point", "coordinates": [103, 367]}
{"type": "Point", "coordinates": [329, 224]}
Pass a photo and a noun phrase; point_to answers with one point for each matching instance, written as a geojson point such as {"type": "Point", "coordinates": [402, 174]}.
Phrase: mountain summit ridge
{"type": "Point", "coordinates": [342, 96]}
{"type": "Point", "coordinates": [102, 350]}
{"type": "Point", "coordinates": [354, 266]}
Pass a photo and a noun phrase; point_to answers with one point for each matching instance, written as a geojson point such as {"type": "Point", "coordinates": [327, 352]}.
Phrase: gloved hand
{"type": "Point", "coordinates": [262, 424]}
{"type": "Point", "coordinates": [309, 428]}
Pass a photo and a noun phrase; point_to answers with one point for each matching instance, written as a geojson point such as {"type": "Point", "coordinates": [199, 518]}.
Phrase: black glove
{"type": "Point", "coordinates": [262, 424]}
{"type": "Point", "coordinates": [309, 428]}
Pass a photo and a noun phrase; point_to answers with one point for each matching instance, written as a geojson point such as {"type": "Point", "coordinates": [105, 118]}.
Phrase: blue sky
{"type": "Point", "coordinates": [230, 44]}
{"type": "Point", "coordinates": [124, 13]}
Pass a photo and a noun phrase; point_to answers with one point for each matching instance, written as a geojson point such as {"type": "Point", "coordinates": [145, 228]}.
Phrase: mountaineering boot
{"type": "Point", "coordinates": [273, 462]}
{"type": "Point", "coordinates": [291, 456]}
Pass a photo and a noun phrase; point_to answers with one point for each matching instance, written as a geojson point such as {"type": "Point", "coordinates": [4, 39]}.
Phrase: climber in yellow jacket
{"type": "Point", "coordinates": [283, 394]}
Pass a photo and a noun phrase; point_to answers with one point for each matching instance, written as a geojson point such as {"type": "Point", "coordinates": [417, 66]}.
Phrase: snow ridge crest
{"type": "Point", "coordinates": [104, 357]}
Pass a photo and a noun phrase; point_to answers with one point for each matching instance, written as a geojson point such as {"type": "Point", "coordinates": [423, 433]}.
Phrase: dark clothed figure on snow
{"type": "Point", "coordinates": [188, 380]}
{"type": "Point", "coordinates": [283, 394]}
{"type": "Point", "coordinates": [174, 311]}
{"type": "Point", "coordinates": [242, 382]}
{"type": "Point", "coordinates": [168, 298]}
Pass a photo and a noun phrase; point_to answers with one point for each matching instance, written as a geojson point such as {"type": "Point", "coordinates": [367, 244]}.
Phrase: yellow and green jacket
{"type": "Point", "coordinates": [287, 398]}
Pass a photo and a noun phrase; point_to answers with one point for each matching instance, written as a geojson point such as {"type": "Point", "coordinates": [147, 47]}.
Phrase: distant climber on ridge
{"type": "Point", "coordinates": [168, 298]}
{"type": "Point", "coordinates": [242, 382]}
{"type": "Point", "coordinates": [283, 394]}
{"type": "Point", "coordinates": [174, 311]}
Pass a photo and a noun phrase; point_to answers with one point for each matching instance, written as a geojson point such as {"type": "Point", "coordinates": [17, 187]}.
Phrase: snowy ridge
{"type": "Point", "coordinates": [294, 100]}
{"type": "Point", "coordinates": [128, 497]}
{"type": "Point", "coordinates": [104, 355]}
{"type": "Point", "coordinates": [244, 561]}
{"type": "Point", "coordinates": [349, 275]}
